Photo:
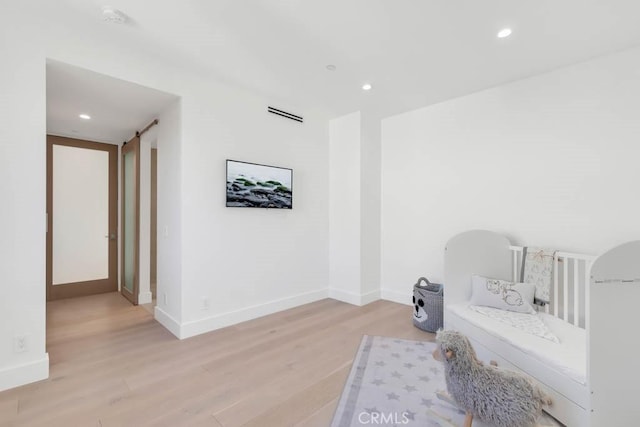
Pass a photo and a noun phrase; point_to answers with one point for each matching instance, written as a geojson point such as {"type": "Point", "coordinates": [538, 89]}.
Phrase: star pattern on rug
{"type": "Point", "coordinates": [427, 402]}
{"type": "Point", "coordinates": [377, 382]}
{"type": "Point", "coordinates": [410, 415]}
{"type": "Point", "coordinates": [424, 378]}
{"type": "Point", "coordinates": [380, 363]}
{"type": "Point", "coordinates": [409, 388]}
{"type": "Point", "coordinates": [396, 374]}
{"type": "Point", "coordinates": [393, 396]}
{"type": "Point", "coordinates": [409, 365]}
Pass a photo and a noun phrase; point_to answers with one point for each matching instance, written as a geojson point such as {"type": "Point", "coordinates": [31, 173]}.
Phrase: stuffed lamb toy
{"type": "Point", "coordinates": [496, 396]}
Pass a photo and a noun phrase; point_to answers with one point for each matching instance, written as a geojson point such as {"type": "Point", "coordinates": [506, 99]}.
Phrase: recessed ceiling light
{"type": "Point", "coordinates": [331, 67]}
{"type": "Point", "coordinates": [85, 116]}
{"type": "Point", "coordinates": [366, 86]}
{"type": "Point", "coordinates": [506, 32]}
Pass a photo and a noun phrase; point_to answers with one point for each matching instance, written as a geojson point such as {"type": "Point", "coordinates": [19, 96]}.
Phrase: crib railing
{"type": "Point", "coordinates": [570, 290]}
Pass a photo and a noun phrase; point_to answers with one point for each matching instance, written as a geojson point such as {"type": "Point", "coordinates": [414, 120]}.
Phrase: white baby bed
{"type": "Point", "coordinates": [596, 298]}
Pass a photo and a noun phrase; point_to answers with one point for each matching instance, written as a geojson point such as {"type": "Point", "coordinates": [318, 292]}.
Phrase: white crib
{"type": "Point", "coordinates": [593, 310]}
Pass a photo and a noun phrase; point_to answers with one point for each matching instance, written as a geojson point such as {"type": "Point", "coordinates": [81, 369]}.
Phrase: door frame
{"type": "Point", "coordinates": [132, 146]}
{"type": "Point", "coordinates": [89, 287]}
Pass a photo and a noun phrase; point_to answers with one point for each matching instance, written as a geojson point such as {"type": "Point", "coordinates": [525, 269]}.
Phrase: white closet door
{"type": "Point", "coordinates": [80, 215]}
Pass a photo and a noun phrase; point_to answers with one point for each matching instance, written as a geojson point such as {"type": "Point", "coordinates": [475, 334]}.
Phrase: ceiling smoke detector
{"type": "Point", "coordinates": [113, 16]}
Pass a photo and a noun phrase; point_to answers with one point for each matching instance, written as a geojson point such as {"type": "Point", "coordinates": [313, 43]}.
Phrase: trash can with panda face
{"type": "Point", "coordinates": [427, 305]}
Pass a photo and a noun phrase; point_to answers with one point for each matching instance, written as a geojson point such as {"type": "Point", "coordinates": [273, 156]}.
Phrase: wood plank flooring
{"type": "Point", "coordinates": [113, 365]}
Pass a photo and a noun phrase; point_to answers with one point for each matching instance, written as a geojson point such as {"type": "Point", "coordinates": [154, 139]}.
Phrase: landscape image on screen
{"type": "Point", "coordinates": [251, 185]}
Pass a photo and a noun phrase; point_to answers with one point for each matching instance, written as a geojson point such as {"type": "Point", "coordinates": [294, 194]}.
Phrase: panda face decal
{"type": "Point", "coordinates": [418, 304]}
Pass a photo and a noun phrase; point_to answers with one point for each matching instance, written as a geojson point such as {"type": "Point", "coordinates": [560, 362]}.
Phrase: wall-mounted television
{"type": "Point", "coordinates": [251, 185]}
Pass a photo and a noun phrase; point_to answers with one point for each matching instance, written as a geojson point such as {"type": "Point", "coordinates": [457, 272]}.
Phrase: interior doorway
{"type": "Point", "coordinates": [82, 219]}
{"type": "Point", "coordinates": [85, 105]}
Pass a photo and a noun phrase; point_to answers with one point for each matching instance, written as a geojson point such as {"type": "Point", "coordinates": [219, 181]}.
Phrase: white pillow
{"type": "Point", "coordinates": [502, 294]}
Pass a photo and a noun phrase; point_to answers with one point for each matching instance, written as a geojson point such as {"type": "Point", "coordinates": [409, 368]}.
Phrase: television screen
{"type": "Point", "coordinates": [251, 185]}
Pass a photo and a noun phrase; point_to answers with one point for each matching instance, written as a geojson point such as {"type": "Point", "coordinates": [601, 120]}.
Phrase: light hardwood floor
{"type": "Point", "coordinates": [112, 364]}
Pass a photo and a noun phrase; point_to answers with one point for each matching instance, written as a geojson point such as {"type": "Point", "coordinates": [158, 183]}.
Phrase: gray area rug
{"type": "Point", "coordinates": [395, 382]}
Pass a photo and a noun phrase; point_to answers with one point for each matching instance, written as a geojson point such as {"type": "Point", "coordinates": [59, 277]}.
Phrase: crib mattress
{"type": "Point", "coordinates": [569, 357]}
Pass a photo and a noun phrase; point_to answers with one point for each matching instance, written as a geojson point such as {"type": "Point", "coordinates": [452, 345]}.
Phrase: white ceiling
{"type": "Point", "coordinates": [117, 108]}
{"type": "Point", "coordinates": [413, 52]}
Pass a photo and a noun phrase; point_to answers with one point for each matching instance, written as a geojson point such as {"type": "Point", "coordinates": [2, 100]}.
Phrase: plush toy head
{"type": "Point", "coordinates": [454, 348]}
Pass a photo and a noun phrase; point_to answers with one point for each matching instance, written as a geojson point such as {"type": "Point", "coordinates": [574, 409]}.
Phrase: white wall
{"type": "Point", "coordinates": [248, 262]}
{"type": "Point", "coordinates": [168, 308]}
{"type": "Point", "coordinates": [22, 211]}
{"type": "Point", "coordinates": [354, 189]}
{"type": "Point", "coordinates": [370, 206]}
{"type": "Point", "coordinates": [147, 139]}
{"type": "Point", "coordinates": [344, 208]}
{"type": "Point", "coordinates": [551, 160]}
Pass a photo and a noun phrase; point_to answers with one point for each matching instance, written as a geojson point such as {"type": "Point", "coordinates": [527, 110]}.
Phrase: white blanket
{"type": "Point", "coordinates": [529, 323]}
{"type": "Point", "coordinates": [568, 358]}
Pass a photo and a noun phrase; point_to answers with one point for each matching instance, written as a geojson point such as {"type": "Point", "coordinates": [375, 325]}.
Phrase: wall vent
{"type": "Point", "coordinates": [285, 114]}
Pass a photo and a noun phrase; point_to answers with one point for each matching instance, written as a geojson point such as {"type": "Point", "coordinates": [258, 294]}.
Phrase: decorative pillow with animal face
{"type": "Point", "coordinates": [502, 294]}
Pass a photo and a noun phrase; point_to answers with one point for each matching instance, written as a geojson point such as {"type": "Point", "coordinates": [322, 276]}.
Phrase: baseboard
{"type": "Point", "coordinates": [370, 297]}
{"type": "Point", "coordinates": [197, 327]}
{"type": "Point", "coordinates": [26, 373]}
{"type": "Point", "coordinates": [145, 298]}
{"type": "Point", "coordinates": [354, 298]}
{"type": "Point", "coordinates": [167, 321]}
{"type": "Point", "coordinates": [395, 296]}
{"type": "Point", "coordinates": [344, 296]}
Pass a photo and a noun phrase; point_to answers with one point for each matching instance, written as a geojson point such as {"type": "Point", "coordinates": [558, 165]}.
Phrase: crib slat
{"type": "Point", "coordinates": [576, 293]}
{"type": "Point", "coordinates": [564, 260]}
{"type": "Point", "coordinates": [565, 285]}
{"type": "Point", "coordinates": [587, 294]}
{"type": "Point", "coordinates": [555, 284]}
